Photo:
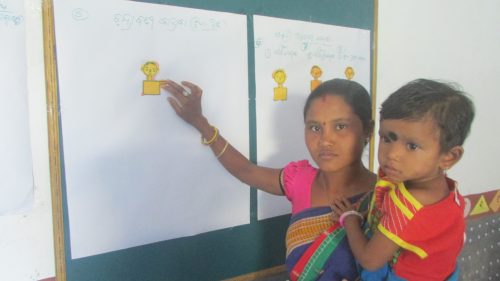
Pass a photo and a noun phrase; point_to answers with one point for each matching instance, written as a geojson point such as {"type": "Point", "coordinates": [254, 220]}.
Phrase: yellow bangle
{"type": "Point", "coordinates": [212, 140]}
{"type": "Point", "coordinates": [223, 150]}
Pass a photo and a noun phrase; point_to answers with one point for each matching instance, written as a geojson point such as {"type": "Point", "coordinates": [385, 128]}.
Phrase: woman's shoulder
{"type": "Point", "coordinates": [299, 173]}
{"type": "Point", "coordinates": [298, 177]}
{"type": "Point", "coordinates": [299, 167]}
{"type": "Point", "coordinates": [301, 164]}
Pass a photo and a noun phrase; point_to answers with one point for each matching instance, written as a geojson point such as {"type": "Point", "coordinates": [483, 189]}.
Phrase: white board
{"type": "Point", "coordinates": [16, 172]}
{"type": "Point", "coordinates": [135, 173]}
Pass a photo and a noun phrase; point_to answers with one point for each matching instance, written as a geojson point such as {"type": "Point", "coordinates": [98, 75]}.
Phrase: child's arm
{"type": "Point", "coordinates": [188, 107]}
{"type": "Point", "coordinates": [371, 254]}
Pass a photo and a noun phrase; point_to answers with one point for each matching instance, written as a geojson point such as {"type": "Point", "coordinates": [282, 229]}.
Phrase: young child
{"type": "Point", "coordinates": [416, 219]}
{"type": "Point", "coordinates": [338, 125]}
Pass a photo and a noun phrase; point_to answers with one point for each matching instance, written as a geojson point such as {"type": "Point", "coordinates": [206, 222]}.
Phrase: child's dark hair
{"type": "Point", "coordinates": [451, 109]}
{"type": "Point", "coordinates": [353, 93]}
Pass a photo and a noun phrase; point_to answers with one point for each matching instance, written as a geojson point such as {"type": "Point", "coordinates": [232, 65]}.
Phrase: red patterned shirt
{"type": "Point", "coordinates": [430, 237]}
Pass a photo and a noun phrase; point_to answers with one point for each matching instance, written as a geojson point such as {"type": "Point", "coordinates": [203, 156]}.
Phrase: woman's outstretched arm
{"type": "Point", "coordinates": [187, 105]}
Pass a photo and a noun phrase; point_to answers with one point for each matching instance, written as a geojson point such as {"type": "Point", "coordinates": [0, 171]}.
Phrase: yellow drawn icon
{"type": "Point", "coordinates": [150, 86]}
{"type": "Point", "coordinates": [349, 73]}
{"type": "Point", "coordinates": [280, 92]}
{"type": "Point", "coordinates": [495, 202]}
{"type": "Point", "coordinates": [481, 207]}
{"type": "Point", "coordinates": [316, 73]}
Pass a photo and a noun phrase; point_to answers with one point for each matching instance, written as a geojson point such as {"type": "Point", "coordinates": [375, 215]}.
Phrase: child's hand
{"type": "Point", "coordinates": [340, 206]}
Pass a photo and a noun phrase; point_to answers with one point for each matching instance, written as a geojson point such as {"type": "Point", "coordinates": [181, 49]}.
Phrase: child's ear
{"type": "Point", "coordinates": [451, 157]}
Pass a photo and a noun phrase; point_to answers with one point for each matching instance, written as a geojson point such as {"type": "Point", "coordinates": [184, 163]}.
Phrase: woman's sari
{"type": "Point", "coordinates": [317, 248]}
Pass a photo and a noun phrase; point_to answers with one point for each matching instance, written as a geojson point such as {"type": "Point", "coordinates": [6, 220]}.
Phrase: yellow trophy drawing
{"type": "Point", "coordinates": [280, 92]}
{"type": "Point", "coordinates": [150, 86]}
{"type": "Point", "coordinates": [349, 73]}
{"type": "Point", "coordinates": [316, 73]}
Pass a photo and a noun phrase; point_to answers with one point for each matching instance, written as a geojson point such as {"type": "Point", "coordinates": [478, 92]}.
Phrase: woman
{"type": "Point", "coordinates": [338, 125]}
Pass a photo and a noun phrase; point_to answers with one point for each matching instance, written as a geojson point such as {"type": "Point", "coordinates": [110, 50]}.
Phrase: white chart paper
{"type": "Point", "coordinates": [136, 173]}
{"type": "Point", "coordinates": [295, 47]}
{"type": "Point", "coordinates": [16, 173]}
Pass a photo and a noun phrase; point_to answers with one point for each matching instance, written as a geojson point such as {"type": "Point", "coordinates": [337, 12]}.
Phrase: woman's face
{"type": "Point", "coordinates": [334, 134]}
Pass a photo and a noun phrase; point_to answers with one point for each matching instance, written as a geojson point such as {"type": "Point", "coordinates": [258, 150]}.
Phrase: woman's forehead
{"type": "Point", "coordinates": [333, 106]}
{"type": "Point", "coordinates": [330, 101]}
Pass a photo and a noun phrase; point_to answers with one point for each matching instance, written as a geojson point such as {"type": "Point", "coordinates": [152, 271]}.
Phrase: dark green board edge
{"type": "Point", "coordinates": [238, 250]}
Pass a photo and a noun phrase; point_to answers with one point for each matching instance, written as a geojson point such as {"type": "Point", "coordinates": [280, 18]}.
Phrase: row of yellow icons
{"type": "Point", "coordinates": [279, 76]}
{"type": "Point", "coordinates": [152, 87]}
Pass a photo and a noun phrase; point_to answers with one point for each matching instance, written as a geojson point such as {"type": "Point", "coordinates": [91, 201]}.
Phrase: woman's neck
{"type": "Point", "coordinates": [352, 180]}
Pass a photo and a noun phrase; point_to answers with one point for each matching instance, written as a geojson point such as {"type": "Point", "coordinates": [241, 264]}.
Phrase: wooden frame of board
{"type": "Point", "coordinates": [54, 133]}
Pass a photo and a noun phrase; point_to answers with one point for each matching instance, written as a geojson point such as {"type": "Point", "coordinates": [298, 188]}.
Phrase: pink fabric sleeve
{"type": "Point", "coordinates": [298, 178]}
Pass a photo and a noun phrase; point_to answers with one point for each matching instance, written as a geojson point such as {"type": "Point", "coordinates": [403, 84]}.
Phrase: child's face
{"type": "Point", "coordinates": [334, 133]}
{"type": "Point", "coordinates": [409, 151]}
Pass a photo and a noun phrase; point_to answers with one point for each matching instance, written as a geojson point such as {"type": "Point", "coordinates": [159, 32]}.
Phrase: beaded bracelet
{"type": "Point", "coordinates": [223, 150]}
{"type": "Point", "coordinates": [348, 213]}
{"type": "Point", "coordinates": [212, 140]}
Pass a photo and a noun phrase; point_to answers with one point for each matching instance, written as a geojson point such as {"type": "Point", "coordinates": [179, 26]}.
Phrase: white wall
{"type": "Point", "coordinates": [26, 246]}
{"type": "Point", "coordinates": [454, 40]}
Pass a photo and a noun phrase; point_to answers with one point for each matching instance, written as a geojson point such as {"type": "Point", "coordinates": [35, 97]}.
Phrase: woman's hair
{"type": "Point", "coordinates": [353, 93]}
{"type": "Point", "coordinates": [449, 107]}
